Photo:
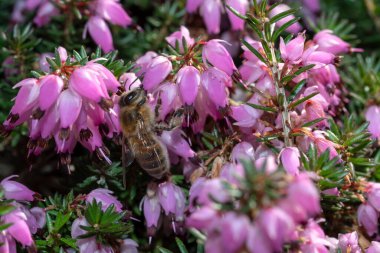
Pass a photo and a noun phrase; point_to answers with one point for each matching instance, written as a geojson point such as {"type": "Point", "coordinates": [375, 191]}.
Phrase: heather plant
{"type": "Point", "coordinates": [269, 123]}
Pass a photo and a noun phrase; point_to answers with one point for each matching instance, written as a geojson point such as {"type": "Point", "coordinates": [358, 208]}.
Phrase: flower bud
{"type": "Point", "coordinates": [188, 80]}
{"type": "Point", "coordinates": [331, 43]}
{"type": "Point", "coordinates": [292, 51]}
{"type": "Point", "coordinates": [156, 72]}
{"type": "Point", "coordinates": [105, 197]}
{"type": "Point", "coordinates": [215, 83]}
{"type": "Point", "coordinates": [290, 159]}
{"type": "Point", "coordinates": [100, 33]}
{"type": "Point", "coordinates": [368, 218]}
{"type": "Point", "coordinates": [241, 7]}
{"type": "Point", "coordinates": [216, 54]}
{"type": "Point", "coordinates": [51, 87]}
{"type": "Point", "coordinates": [15, 190]}
{"type": "Point", "coordinates": [178, 36]}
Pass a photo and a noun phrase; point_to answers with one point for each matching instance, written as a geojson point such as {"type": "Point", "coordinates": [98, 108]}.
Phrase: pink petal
{"type": "Point", "coordinates": [100, 33]}
{"type": "Point", "coordinates": [211, 11]}
{"type": "Point", "coordinates": [69, 106]}
{"type": "Point", "coordinates": [188, 79]}
{"type": "Point", "coordinates": [51, 87]}
{"type": "Point", "coordinates": [114, 13]}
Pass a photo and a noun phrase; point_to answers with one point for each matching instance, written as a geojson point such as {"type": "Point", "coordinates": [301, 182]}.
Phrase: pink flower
{"type": "Point", "coordinates": [176, 143]}
{"type": "Point", "coordinates": [372, 115]}
{"type": "Point", "coordinates": [303, 192]}
{"type": "Point", "coordinates": [45, 12]}
{"type": "Point", "coordinates": [331, 43]}
{"type": "Point", "coordinates": [113, 12]}
{"type": "Point", "coordinates": [69, 107]}
{"type": "Point", "coordinates": [169, 197]}
{"type": "Point", "coordinates": [374, 195]}
{"type": "Point", "coordinates": [313, 111]}
{"type": "Point", "coordinates": [152, 210]}
{"type": "Point", "coordinates": [27, 96]}
{"type": "Point", "coordinates": [216, 54]}
{"type": "Point", "coordinates": [290, 159]}
{"type": "Point", "coordinates": [374, 247]}
{"type": "Point", "coordinates": [156, 72]}
{"type": "Point", "coordinates": [292, 51]}
{"type": "Point", "coordinates": [105, 197]}
{"type": "Point", "coordinates": [188, 80]}
{"type": "Point", "coordinates": [277, 225]}
{"type": "Point", "coordinates": [281, 8]}
{"type": "Point", "coordinates": [368, 218]}
{"type": "Point", "coordinates": [240, 6]}
{"type": "Point", "coordinates": [255, 235]}
{"type": "Point", "coordinates": [192, 5]}
{"type": "Point", "coordinates": [202, 218]}
{"type": "Point", "coordinates": [100, 33]}
{"type": "Point", "coordinates": [15, 190]}
{"type": "Point", "coordinates": [234, 234]}
{"type": "Point", "coordinates": [349, 242]}
{"type": "Point", "coordinates": [211, 11]}
{"type": "Point", "coordinates": [143, 62]}
{"type": "Point", "coordinates": [128, 246]}
{"type": "Point", "coordinates": [242, 150]}
{"type": "Point", "coordinates": [323, 145]}
{"type": "Point", "coordinates": [215, 83]}
{"type": "Point", "coordinates": [178, 36]}
{"type": "Point", "coordinates": [19, 229]}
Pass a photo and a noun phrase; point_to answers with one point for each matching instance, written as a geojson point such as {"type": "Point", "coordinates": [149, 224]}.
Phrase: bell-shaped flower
{"type": "Point", "coordinates": [19, 229]}
{"type": "Point", "coordinates": [100, 33]}
{"type": "Point", "coordinates": [277, 225]}
{"type": "Point", "coordinates": [211, 11]}
{"type": "Point", "coordinates": [258, 241]}
{"type": "Point", "coordinates": [176, 143]}
{"type": "Point", "coordinates": [245, 115]}
{"type": "Point", "coordinates": [105, 75]}
{"type": "Point", "coordinates": [188, 80]}
{"type": "Point", "coordinates": [318, 58]}
{"type": "Point", "coordinates": [292, 51]}
{"type": "Point", "coordinates": [129, 81]}
{"type": "Point", "coordinates": [241, 6]}
{"type": "Point", "coordinates": [113, 12]}
{"type": "Point", "coordinates": [331, 43]}
{"type": "Point", "coordinates": [303, 192]}
{"type": "Point", "coordinates": [202, 218]}
{"type": "Point", "coordinates": [105, 197]}
{"type": "Point", "coordinates": [374, 247]}
{"type": "Point", "coordinates": [152, 210]}
{"type": "Point", "coordinates": [27, 96]}
{"type": "Point", "coordinates": [290, 159]}
{"type": "Point", "coordinates": [192, 5]}
{"type": "Point", "coordinates": [69, 107]}
{"type": "Point", "coordinates": [372, 115]}
{"type": "Point", "coordinates": [215, 83]}
{"type": "Point", "coordinates": [15, 190]}
{"type": "Point", "coordinates": [349, 242]}
{"type": "Point", "coordinates": [36, 218]}
{"type": "Point", "coordinates": [166, 195]}
{"type": "Point", "coordinates": [158, 69]}
{"type": "Point", "coordinates": [234, 231]}
{"type": "Point", "coordinates": [314, 110]}
{"type": "Point", "coordinates": [45, 13]}
{"type": "Point", "coordinates": [294, 28]}
{"type": "Point", "coordinates": [177, 37]}
{"type": "Point", "coordinates": [322, 145]}
{"type": "Point", "coordinates": [143, 62]}
{"type": "Point", "coordinates": [169, 98]}
{"type": "Point", "coordinates": [373, 195]}
{"type": "Point", "coordinates": [128, 246]}
{"type": "Point", "coordinates": [217, 55]}
{"type": "Point", "coordinates": [50, 89]}
{"type": "Point", "coordinates": [368, 218]}
{"type": "Point", "coordinates": [243, 151]}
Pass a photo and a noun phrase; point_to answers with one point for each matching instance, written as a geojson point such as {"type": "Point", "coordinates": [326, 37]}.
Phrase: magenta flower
{"type": "Point", "coordinates": [202, 218]}
{"type": "Point", "coordinates": [19, 230]}
{"type": "Point", "coordinates": [292, 51]}
{"type": "Point", "coordinates": [215, 83]}
{"type": "Point", "coordinates": [373, 195]}
{"type": "Point", "coordinates": [156, 72]}
{"type": "Point", "coordinates": [152, 211]}
{"type": "Point", "coordinates": [105, 197]}
{"type": "Point", "coordinates": [240, 6]}
{"type": "Point", "coordinates": [216, 54]}
{"type": "Point", "coordinates": [331, 43]}
{"type": "Point", "coordinates": [374, 247]}
{"type": "Point", "coordinates": [45, 13]}
{"type": "Point", "coordinates": [372, 115]}
{"type": "Point", "coordinates": [100, 33]}
{"type": "Point", "coordinates": [255, 235]}
{"type": "Point", "coordinates": [290, 159]}
{"type": "Point", "coordinates": [281, 8]}
{"type": "Point", "coordinates": [192, 5]}
{"type": "Point", "coordinates": [349, 242]}
{"type": "Point", "coordinates": [368, 218]}
{"type": "Point", "coordinates": [234, 231]}
{"type": "Point", "coordinates": [176, 143]}
{"type": "Point", "coordinates": [211, 11]}
{"type": "Point", "coordinates": [277, 225]}
{"type": "Point", "coordinates": [16, 191]}
{"type": "Point", "coordinates": [143, 62]}
{"type": "Point", "coordinates": [178, 36]}
{"type": "Point", "coordinates": [113, 12]}
{"type": "Point", "coordinates": [188, 80]}
{"type": "Point", "coordinates": [243, 150]}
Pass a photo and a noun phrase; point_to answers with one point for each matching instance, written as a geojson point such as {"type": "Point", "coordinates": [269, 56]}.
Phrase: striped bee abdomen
{"type": "Point", "coordinates": [150, 154]}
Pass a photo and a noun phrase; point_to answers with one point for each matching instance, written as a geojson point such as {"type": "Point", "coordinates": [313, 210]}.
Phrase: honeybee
{"type": "Point", "coordinates": [140, 140]}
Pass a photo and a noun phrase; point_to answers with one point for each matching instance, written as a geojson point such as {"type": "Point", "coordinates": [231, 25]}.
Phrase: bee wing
{"type": "Point", "coordinates": [127, 158]}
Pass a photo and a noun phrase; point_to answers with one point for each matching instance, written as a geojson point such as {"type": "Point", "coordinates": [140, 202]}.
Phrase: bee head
{"type": "Point", "coordinates": [135, 97]}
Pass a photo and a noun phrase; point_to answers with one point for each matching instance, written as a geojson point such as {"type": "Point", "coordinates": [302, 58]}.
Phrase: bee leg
{"type": "Point", "coordinates": [126, 159]}
{"type": "Point", "coordinates": [175, 121]}
{"type": "Point", "coordinates": [158, 106]}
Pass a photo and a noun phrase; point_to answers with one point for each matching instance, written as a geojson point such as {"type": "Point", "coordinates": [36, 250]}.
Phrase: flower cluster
{"type": "Point", "coordinates": [265, 226]}
{"type": "Point", "coordinates": [198, 83]}
{"type": "Point", "coordinates": [368, 212]}
{"type": "Point", "coordinates": [163, 201]}
{"type": "Point", "coordinates": [23, 222]}
{"type": "Point", "coordinates": [97, 11]}
{"type": "Point", "coordinates": [110, 206]}
{"type": "Point", "coordinates": [70, 103]}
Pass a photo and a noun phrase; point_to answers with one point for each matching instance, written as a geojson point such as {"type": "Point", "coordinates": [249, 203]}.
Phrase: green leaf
{"type": "Point", "coordinates": [254, 51]}
{"type": "Point", "coordinates": [282, 15]}
{"type": "Point", "coordinates": [5, 226]}
{"type": "Point", "coordinates": [313, 122]}
{"type": "Point", "coordinates": [288, 78]}
{"type": "Point", "coordinates": [61, 220]}
{"type": "Point", "coordinates": [4, 209]}
{"type": "Point", "coordinates": [296, 90]}
{"type": "Point", "coordinates": [263, 108]}
{"type": "Point", "coordinates": [301, 100]}
{"type": "Point", "coordinates": [282, 28]}
{"type": "Point", "coordinates": [163, 250]}
{"type": "Point", "coordinates": [180, 245]}
{"type": "Point", "coordinates": [69, 242]}
{"type": "Point", "coordinates": [235, 12]}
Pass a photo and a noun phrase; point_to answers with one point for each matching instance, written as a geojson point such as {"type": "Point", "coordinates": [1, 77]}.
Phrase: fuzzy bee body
{"type": "Point", "coordinates": [137, 121]}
